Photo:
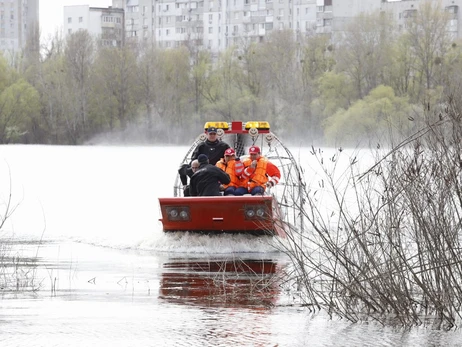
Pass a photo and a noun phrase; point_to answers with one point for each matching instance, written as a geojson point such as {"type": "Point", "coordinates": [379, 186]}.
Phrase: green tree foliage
{"type": "Point", "coordinates": [368, 120]}
{"type": "Point", "coordinates": [302, 85]}
{"type": "Point", "coordinates": [114, 96]}
{"type": "Point", "coordinates": [18, 104]}
{"type": "Point", "coordinates": [335, 92]}
{"type": "Point", "coordinates": [174, 87]}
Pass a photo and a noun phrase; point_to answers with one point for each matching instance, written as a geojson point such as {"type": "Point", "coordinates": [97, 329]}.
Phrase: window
{"type": "Point", "coordinates": [210, 30]}
{"type": "Point", "coordinates": [167, 32]}
{"type": "Point", "coordinates": [69, 31]}
{"type": "Point", "coordinates": [80, 19]}
{"type": "Point", "coordinates": [69, 19]}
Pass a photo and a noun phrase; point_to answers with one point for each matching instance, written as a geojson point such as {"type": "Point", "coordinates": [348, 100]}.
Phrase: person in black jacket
{"type": "Point", "coordinates": [207, 179]}
{"type": "Point", "coordinates": [213, 148]}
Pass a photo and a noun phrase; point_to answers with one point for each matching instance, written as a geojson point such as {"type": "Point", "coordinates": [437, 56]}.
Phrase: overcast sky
{"type": "Point", "coordinates": [51, 12]}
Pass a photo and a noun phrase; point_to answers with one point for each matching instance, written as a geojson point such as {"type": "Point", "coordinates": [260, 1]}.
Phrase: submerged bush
{"type": "Point", "coordinates": [384, 243]}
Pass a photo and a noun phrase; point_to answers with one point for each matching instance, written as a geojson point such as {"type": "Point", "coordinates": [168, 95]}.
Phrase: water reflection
{"type": "Point", "coordinates": [238, 283]}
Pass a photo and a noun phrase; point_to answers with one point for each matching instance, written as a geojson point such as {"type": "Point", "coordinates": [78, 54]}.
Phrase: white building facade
{"type": "Point", "coordinates": [219, 24]}
{"type": "Point", "coordinates": [333, 15]}
{"type": "Point", "coordinates": [105, 24]}
{"type": "Point", "coordinates": [214, 24]}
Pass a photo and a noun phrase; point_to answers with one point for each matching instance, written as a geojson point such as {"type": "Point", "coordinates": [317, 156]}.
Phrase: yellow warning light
{"type": "Point", "coordinates": [218, 125]}
{"type": "Point", "coordinates": [258, 125]}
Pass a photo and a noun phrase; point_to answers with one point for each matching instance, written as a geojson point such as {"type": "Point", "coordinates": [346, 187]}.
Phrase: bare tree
{"type": "Point", "coordinates": [428, 36]}
{"type": "Point", "coordinates": [79, 54]}
{"type": "Point", "coordinates": [364, 51]}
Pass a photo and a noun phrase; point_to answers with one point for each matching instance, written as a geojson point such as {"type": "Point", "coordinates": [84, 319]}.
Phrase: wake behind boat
{"type": "Point", "coordinates": [272, 213]}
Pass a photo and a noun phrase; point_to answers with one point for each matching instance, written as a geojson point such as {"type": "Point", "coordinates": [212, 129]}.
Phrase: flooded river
{"type": "Point", "coordinates": [87, 240]}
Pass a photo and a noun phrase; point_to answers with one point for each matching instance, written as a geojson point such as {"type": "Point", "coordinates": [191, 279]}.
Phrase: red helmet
{"type": "Point", "coordinates": [230, 151]}
{"type": "Point", "coordinates": [254, 150]}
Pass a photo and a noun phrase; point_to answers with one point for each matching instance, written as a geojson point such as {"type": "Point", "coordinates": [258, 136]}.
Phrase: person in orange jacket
{"type": "Point", "coordinates": [234, 168]}
{"type": "Point", "coordinates": [260, 172]}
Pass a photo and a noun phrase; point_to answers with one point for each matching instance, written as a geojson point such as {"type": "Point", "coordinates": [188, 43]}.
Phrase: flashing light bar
{"type": "Point", "coordinates": [218, 125]}
{"type": "Point", "coordinates": [258, 125]}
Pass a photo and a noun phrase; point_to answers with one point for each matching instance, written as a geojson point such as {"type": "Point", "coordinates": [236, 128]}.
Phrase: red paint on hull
{"type": "Point", "coordinates": [221, 214]}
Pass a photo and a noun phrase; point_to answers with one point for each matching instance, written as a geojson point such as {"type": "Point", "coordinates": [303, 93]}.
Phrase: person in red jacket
{"type": "Point", "coordinates": [234, 168]}
{"type": "Point", "coordinates": [260, 172]}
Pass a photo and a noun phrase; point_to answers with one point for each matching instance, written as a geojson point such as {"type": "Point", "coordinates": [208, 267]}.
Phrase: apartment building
{"type": "Point", "coordinates": [219, 24]}
{"type": "Point", "coordinates": [17, 19]}
{"type": "Point", "coordinates": [106, 24]}
{"type": "Point", "coordinates": [214, 24]}
{"type": "Point", "coordinates": [401, 11]}
{"type": "Point", "coordinates": [334, 15]}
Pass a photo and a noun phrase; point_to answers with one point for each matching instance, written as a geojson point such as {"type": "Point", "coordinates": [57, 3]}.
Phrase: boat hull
{"type": "Point", "coordinates": [218, 214]}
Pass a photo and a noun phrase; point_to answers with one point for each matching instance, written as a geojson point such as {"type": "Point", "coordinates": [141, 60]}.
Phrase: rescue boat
{"type": "Point", "coordinates": [271, 214]}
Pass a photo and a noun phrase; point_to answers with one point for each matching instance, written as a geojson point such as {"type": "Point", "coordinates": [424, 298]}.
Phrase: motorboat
{"type": "Point", "coordinates": [270, 214]}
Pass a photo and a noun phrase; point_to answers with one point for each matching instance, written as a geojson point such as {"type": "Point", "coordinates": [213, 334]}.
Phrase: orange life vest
{"type": "Point", "coordinates": [258, 177]}
{"type": "Point", "coordinates": [234, 168]}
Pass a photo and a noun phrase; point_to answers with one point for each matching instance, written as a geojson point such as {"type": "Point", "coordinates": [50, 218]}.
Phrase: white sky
{"type": "Point", "coordinates": [51, 12]}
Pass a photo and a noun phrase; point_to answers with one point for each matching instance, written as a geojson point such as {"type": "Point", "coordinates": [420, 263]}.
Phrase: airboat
{"type": "Point", "coordinates": [271, 214]}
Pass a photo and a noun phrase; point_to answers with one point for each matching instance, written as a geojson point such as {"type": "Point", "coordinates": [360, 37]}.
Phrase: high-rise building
{"type": "Point", "coordinates": [219, 24]}
{"type": "Point", "coordinates": [334, 15]}
{"type": "Point", "coordinates": [106, 24]}
{"type": "Point", "coordinates": [215, 24]}
{"type": "Point", "coordinates": [18, 19]}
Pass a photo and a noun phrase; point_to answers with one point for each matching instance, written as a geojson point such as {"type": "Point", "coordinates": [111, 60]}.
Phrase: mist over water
{"type": "Point", "coordinates": [102, 195]}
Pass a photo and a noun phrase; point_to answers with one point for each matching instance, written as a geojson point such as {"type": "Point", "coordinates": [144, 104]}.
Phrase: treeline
{"type": "Point", "coordinates": [369, 83]}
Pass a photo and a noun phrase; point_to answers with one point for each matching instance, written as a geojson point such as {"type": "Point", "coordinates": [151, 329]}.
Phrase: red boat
{"type": "Point", "coordinates": [271, 214]}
